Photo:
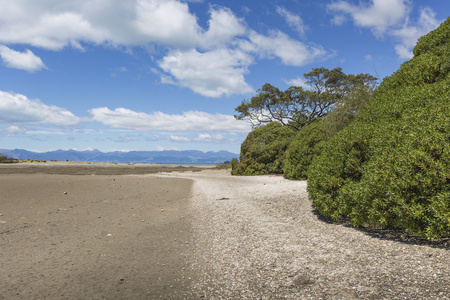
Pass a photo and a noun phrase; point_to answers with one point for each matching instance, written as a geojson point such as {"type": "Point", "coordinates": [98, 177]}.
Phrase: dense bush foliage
{"type": "Point", "coordinates": [306, 144]}
{"type": "Point", "coordinates": [391, 167]}
{"type": "Point", "coordinates": [263, 150]}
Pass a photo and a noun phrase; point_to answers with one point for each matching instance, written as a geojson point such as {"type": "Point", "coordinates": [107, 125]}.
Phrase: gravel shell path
{"type": "Point", "coordinates": [259, 238]}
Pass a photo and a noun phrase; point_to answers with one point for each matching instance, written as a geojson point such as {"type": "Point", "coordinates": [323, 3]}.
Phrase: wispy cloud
{"type": "Point", "coordinates": [17, 109]}
{"type": "Point", "coordinates": [388, 17]}
{"type": "Point", "coordinates": [189, 121]}
{"type": "Point", "coordinates": [200, 138]}
{"type": "Point", "coordinates": [118, 71]}
{"type": "Point", "coordinates": [27, 60]}
{"type": "Point", "coordinates": [292, 20]}
{"type": "Point", "coordinates": [410, 32]}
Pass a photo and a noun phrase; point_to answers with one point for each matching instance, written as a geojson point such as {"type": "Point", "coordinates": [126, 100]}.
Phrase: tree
{"type": "Point", "coordinates": [262, 152]}
{"type": "Point", "coordinates": [297, 107]}
{"type": "Point", "coordinates": [346, 110]}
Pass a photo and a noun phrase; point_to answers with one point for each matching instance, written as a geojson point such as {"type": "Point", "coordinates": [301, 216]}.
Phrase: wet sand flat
{"type": "Point", "coordinates": [93, 237]}
{"type": "Point", "coordinates": [93, 168]}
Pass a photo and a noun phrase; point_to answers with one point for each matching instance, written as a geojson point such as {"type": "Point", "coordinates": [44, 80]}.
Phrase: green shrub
{"type": "Point", "coordinates": [226, 165]}
{"type": "Point", "coordinates": [434, 42]}
{"type": "Point", "coordinates": [234, 163]}
{"type": "Point", "coordinates": [263, 150]}
{"type": "Point", "coordinates": [391, 167]}
{"type": "Point", "coordinates": [307, 143]}
{"type": "Point", "coordinates": [7, 160]}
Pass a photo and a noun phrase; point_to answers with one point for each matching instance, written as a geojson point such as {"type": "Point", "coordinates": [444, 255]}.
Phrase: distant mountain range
{"type": "Point", "coordinates": [159, 157]}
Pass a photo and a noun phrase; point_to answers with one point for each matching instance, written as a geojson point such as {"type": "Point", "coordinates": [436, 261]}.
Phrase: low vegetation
{"type": "Point", "coordinates": [7, 160]}
{"type": "Point", "coordinates": [224, 165]}
{"type": "Point", "coordinates": [35, 161]}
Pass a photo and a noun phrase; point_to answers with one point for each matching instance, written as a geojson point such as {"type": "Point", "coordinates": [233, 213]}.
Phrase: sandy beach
{"type": "Point", "coordinates": [99, 231]}
{"type": "Point", "coordinates": [93, 237]}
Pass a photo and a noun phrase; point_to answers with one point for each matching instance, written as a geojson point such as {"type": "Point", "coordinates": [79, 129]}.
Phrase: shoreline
{"type": "Point", "coordinates": [95, 168]}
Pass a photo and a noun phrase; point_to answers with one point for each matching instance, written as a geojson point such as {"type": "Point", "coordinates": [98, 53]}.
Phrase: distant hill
{"type": "Point", "coordinates": [159, 157]}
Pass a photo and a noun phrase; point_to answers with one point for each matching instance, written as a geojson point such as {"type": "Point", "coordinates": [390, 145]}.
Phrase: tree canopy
{"type": "Point", "coordinates": [299, 106]}
{"type": "Point", "coordinates": [262, 152]}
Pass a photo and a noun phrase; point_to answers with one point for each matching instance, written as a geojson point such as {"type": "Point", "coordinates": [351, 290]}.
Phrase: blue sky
{"type": "Point", "coordinates": [167, 74]}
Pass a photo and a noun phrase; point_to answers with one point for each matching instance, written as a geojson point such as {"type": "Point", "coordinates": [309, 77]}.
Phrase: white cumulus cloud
{"type": "Point", "coordinates": [55, 24]}
{"type": "Point", "coordinates": [49, 24]}
{"type": "Point", "coordinates": [208, 138]}
{"type": "Point", "coordinates": [210, 61]}
{"type": "Point", "coordinates": [224, 26]}
{"type": "Point", "coordinates": [14, 130]}
{"type": "Point", "coordinates": [280, 45]}
{"type": "Point", "coordinates": [18, 109]}
{"type": "Point", "coordinates": [379, 15]}
{"type": "Point", "coordinates": [213, 73]}
{"type": "Point", "coordinates": [179, 139]}
{"type": "Point", "coordinates": [27, 60]}
{"type": "Point", "coordinates": [188, 121]}
{"type": "Point", "coordinates": [168, 22]}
